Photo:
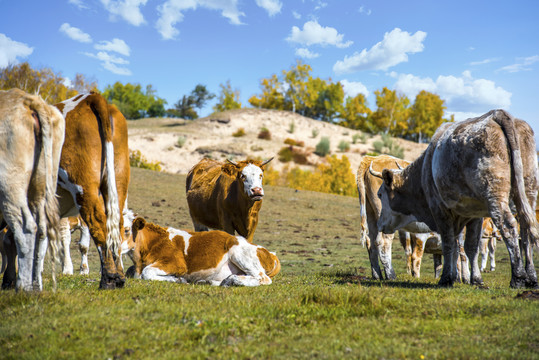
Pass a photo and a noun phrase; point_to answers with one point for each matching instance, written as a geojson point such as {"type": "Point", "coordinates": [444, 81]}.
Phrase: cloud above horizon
{"type": "Point", "coordinates": [392, 50]}
{"type": "Point", "coordinates": [129, 10]}
{"type": "Point", "coordinates": [11, 50]}
{"type": "Point", "coordinates": [75, 33]}
{"type": "Point", "coordinates": [315, 34]}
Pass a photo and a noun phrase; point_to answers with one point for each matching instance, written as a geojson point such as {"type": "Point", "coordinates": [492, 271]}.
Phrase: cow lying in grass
{"type": "Point", "coordinates": [212, 257]}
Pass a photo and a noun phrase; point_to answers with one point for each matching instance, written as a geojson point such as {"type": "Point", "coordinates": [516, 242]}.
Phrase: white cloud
{"type": "Point", "coordinates": [271, 6]}
{"type": "Point", "coordinates": [111, 62]}
{"type": "Point", "coordinates": [79, 4]}
{"type": "Point", "coordinates": [362, 10]}
{"type": "Point", "coordinates": [171, 13]}
{"type": "Point", "coordinates": [392, 50]}
{"type": "Point", "coordinates": [462, 94]}
{"type": "Point", "coordinates": [352, 88]}
{"type": "Point", "coordinates": [296, 15]}
{"type": "Point", "coordinates": [116, 45]}
{"type": "Point", "coordinates": [313, 33]}
{"type": "Point", "coordinates": [306, 53]}
{"type": "Point", "coordinates": [75, 33]}
{"type": "Point", "coordinates": [522, 65]}
{"type": "Point", "coordinates": [483, 62]}
{"type": "Point", "coordinates": [10, 50]}
{"type": "Point", "coordinates": [320, 5]}
{"type": "Point", "coordinates": [129, 10]}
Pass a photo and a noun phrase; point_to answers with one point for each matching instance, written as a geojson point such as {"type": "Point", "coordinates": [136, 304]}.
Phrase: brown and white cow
{"type": "Point", "coordinates": [226, 196]}
{"type": "Point", "coordinates": [487, 245]}
{"type": "Point", "coordinates": [213, 257]}
{"type": "Point", "coordinates": [470, 170]}
{"type": "Point", "coordinates": [32, 137]}
{"type": "Point", "coordinates": [378, 243]}
{"type": "Point", "coordinates": [94, 176]}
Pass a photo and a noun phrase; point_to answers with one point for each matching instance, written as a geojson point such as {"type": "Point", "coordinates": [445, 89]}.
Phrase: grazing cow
{"type": "Point", "coordinates": [73, 223]}
{"type": "Point", "coordinates": [226, 196]}
{"type": "Point", "coordinates": [378, 243]}
{"type": "Point", "coordinates": [487, 245]}
{"type": "Point", "coordinates": [94, 176]}
{"type": "Point", "coordinates": [30, 145]}
{"type": "Point", "coordinates": [213, 257]}
{"type": "Point", "coordinates": [470, 170]}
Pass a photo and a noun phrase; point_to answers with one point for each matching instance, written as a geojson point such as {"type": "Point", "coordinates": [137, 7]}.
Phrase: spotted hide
{"type": "Point", "coordinates": [94, 176]}
{"type": "Point", "coordinates": [212, 257]}
{"type": "Point", "coordinates": [471, 169]}
{"type": "Point", "coordinates": [32, 137]}
{"type": "Point", "coordinates": [226, 196]}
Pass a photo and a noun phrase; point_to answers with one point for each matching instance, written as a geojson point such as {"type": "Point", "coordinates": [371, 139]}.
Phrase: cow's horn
{"type": "Point", "coordinates": [398, 165]}
{"type": "Point", "coordinates": [375, 173]}
{"type": "Point", "coordinates": [232, 162]}
{"type": "Point", "coordinates": [267, 161]}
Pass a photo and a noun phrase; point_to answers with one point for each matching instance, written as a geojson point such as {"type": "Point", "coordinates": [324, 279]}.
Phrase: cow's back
{"type": "Point", "coordinates": [207, 249]}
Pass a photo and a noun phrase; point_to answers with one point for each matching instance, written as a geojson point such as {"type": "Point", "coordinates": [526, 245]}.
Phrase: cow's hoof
{"type": "Point", "coordinates": [532, 284]}
{"type": "Point", "coordinates": [8, 284]}
{"type": "Point", "coordinates": [517, 283]}
{"type": "Point", "coordinates": [477, 282]}
{"type": "Point", "coordinates": [444, 282]}
{"type": "Point", "coordinates": [112, 282]}
{"type": "Point", "coordinates": [391, 275]}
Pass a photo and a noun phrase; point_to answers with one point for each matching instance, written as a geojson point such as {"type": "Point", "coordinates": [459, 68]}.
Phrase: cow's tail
{"type": "Point", "coordinates": [100, 108]}
{"type": "Point", "coordinates": [525, 212]}
{"type": "Point", "coordinates": [49, 120]}
{"type": "Point", "coordinates": [360, 180]}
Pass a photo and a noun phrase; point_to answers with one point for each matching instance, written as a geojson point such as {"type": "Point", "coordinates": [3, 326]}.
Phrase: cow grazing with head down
{"type": "Point", "coordinates": [212, 257]}
{"type": "Point", "coordinates": [226, 196]}
{"type": "Point", "coordinates": [32, 137]}
{"type": "Point", "coordinates": [94, 176]}
{"type": "Point", "coordinates": [487, 245]}
{"type": "Point", "coordinates": [470, 170]}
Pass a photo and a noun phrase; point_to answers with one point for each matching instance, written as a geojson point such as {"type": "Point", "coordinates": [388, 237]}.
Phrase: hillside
{"type": "Point", "coordinates": [212, 136]}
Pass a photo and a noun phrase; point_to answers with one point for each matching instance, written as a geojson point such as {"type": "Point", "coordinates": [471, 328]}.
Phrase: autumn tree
{"type": "Point", "coordinates": [392, 113]}
{"type": "Point", "coordinates": [356, 113]}
{"type": "Point", "coordinates": [228, 98]}
{"type": "Point", "coordinates": [51, 86]}
{"type": "Point", "coordinates": [272, 96]}
{"type": "Point", "coordinates": [426, 116]}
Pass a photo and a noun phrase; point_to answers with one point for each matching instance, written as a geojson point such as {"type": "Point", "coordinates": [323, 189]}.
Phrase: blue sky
{"type": "Point", "coordinates": [476, 54]}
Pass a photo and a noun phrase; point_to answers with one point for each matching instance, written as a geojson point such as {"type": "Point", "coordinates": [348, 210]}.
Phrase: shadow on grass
{"type": "Point", "coordinates": [174, 124]}
{"type": "Point", "coordinates": [343, 278]}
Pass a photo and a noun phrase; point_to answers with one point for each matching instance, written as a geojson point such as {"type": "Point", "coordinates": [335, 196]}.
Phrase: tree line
{"type": "Point", "coordinates": [294, 90]}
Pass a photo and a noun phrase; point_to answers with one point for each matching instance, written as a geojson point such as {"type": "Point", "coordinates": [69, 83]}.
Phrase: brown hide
{"type": "Point", "coordinates": [89, 126]}
{"type": "Point", "coordinates": [217, 200]}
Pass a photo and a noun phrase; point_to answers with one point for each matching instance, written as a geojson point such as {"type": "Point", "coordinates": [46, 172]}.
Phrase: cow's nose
{"type": "Point", "coordinates": [257, 191]}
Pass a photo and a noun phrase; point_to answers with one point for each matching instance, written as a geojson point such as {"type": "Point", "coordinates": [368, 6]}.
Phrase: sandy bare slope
{"type": "Point", "coordinates": [157, 139]}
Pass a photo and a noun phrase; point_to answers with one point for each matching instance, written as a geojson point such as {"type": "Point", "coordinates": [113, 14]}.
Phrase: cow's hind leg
{"type": "Point", "coordinates": [151, 272]}
{"type": "Point", "coordinates": [471, 247]}
{"type": "Point", "coordinates": [531, 281]}
{"type": "Point", "coordinates": [437, 259]}
{"type": "Point", "coordinates": [492, 253]}
{"type": "Point", "coordinates": [200, 227]}
{"type": "Point", "coordinates": [10, 274]}
{"type": "Point", "coordinates": [84, 246]}
{"type": "Point", "coordinates": [243, 280]}
{"type": "Point", "coordinates": [507, 225]}
{"type": "Point", "coordinates": [373, 250]}
{"type": "Point", "coordinates": [65, 241]}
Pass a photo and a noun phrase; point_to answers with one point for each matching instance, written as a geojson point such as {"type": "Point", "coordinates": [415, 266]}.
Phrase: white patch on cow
{"type": "Point", "coordinates": [252, 179]}
{"type": "Point", "coordinates": [154, 273]}
{"type": "Point", "coordinates": [72, 188]}
{"type": "Point", "coordinates": [71, 104]}
{"type": "Point", "coordinates": [184, 234]}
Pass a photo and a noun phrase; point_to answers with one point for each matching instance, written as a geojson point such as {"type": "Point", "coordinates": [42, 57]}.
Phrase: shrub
{"type": "Point", "coordinates": [293, 142]}
{"type": "Point", "coordinates": [388, 146]}
{"type": "Point", "coordinates": [344, 146]}
{"type": "Point", "coordinates": [290, 153]}
{"type": "Point", "coordinates": [239, 133]}
{"type": "Point", "coordinates": [285, 154]}
{"type": "Point", "coordinates": [136, 159]}
{"type": "Point", "coordinates": [315, 133]}
{"type": "Point", "coordinates": [355, 138]}
{"type": "Point", "coordinates": [181, 141]}
{"type": "Point", "coordinates": [264, 134]}
{"type": "Point", "coordinates": [322, 148]}
{"type": "Point", "coordinates": [292, 127]}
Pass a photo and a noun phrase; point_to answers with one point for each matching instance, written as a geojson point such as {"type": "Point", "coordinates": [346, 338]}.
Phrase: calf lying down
{"type": "Point", "coordinates": [212, 257]}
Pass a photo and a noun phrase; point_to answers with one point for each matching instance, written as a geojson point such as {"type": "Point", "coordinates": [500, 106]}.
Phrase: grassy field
{"type": "Point", "coordinates": [322, 304]}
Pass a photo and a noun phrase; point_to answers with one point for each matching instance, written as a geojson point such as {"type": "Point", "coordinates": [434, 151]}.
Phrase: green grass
{"type": "Point", "coordinates": [322, 304]}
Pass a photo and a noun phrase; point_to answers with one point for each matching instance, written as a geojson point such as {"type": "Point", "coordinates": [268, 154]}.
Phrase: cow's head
{"type": "Point", "coordinates": [250, 173]}
{"type": "Point", "coordinates": [393, 217]}
{"type": "Point", "coordinates": [128, 243]}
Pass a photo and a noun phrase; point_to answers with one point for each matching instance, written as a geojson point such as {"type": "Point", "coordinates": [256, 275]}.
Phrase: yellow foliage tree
{"type": "Point", "coordinates": [426, 116]}
{"type": "Point", "coordinates": [392, 113]}
{"type": "Point", "coordinates": [228, 98]}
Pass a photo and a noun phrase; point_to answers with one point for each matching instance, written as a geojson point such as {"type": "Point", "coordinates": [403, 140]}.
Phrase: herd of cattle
{"type": "Point", "coordinates": [66, 167]}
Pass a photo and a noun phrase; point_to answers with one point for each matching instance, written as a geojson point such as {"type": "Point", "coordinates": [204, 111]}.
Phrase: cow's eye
{"type": "Point", "coordinates": [379, 195]}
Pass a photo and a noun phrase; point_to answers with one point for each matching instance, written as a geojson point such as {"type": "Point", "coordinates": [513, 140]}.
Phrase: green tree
{"type": "Point", "coordinates": [133, 102]}
{"type": "Point", "coordinates": [185, 107]}
{"type": "Point", "coordinates": [295, 81]}
{"type": "Point", "coordinates": [426, 116]}
{"type": "Point", "coordinates": [392, 113]}
{"type": "Point", "coordinates": [228, 98]}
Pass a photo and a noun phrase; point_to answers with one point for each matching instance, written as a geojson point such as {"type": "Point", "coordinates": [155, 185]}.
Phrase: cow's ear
{"type": "Point", "coordinates": [139, 224]}
{"type": "Point", "coordinates": [387, 175]}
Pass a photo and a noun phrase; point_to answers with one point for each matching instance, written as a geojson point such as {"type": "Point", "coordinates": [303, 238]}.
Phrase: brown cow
{"type": "Point", "coordinates": [378, 243]}
{"type": "Point", "coordinates": [226, 196]}
{"type": "Point", "coordinates": [32, 137]}
{"type": "Point", "coordinates": [487, 245]}
{"type": "Point", "coordinates": [212, 257]}
{"type": "Point", "coordinates": [94, 176]}
{"type": "Point", "coordinates": [470, 170]}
